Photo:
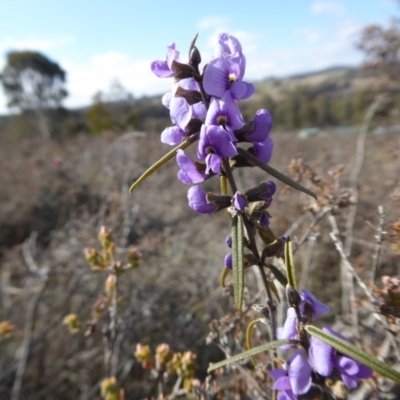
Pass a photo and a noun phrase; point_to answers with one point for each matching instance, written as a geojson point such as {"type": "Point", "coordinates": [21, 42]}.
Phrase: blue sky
{"type": "Point", "coordinates": [98, 42]}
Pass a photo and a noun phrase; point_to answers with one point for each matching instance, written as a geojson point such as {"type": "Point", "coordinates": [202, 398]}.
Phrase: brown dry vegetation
{"type": "Point", "coordinates": [64, 191]}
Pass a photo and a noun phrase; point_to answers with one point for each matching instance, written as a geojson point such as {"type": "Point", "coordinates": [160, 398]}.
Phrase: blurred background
{"type": "Point", "coordinates": [80, 120]}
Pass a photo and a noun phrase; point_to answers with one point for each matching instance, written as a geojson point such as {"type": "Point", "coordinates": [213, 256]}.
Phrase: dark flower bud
{"type": "Point", "coordinates": [191, 96]}
{"type": "Point", "coordinates": [293, 297]}
{"type": "Point", "coordinates": [183, 71]}
{"type": "Point", "coordinates": [195, 57]}
{"type": "Point", "coordinates": [221, 201]}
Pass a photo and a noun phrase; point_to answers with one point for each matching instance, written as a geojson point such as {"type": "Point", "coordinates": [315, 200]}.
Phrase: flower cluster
{"type": "Point", "coordinates": [203, 106]}
{"type": "Point", "coordinates": [297, 377]}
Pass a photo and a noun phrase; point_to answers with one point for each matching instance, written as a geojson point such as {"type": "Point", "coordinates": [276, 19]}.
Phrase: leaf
{"type": "Point", "coordinates": [255, 350]}
{"type": "Point", "coordinates": [161, 162]}
{"type": "Point", "coordinates": [290, 271]}
{"type": "Point", "coordinates": [346, 348]}
{"type": "Point", "coordinates": [238, 260]}
{"type": "Point", "coordinates": [278, 274]}
{"type": "Point", "coordinates": [223, 276]}
{"type": "Point", "coordinates": [278, 175]}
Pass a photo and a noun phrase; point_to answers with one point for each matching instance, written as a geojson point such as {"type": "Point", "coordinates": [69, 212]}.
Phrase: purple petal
{"type": "Point", "coordinates": [161, 69]}
{"type": "Point", "coordinates": [262, 126]}
{"type": "Point", "coordinates": [216, 77]}
{"type": "Point", "coordinates": [228, 241]}
{"type": "Point", "coordinates": [349, 381]}
{"type": "Point", "coordinates": [230, 108]}
{"type": "Point", "coordinates": [199, 110]}
{"type": "Point", "coordinates": [289, 329]}
{"type": "Point", "coordinates": [299, 373]}
{"type": "Point", "coordinates": [321, 356]}
{"type": "Point", "coordinates": [188, 173]}
{"type": "Point", "coordinates": [238, 90]}
{"type": "Point", "coordinates": [239, 201]}
{"type": "Point", "coordinates": [172, 135]}
{"type": "Point", "coordinates": [250, 90]}
{"type": "Point", "coordinates": [318, 308]}
{"type": "Point", "coordinates": [263, 151]}
{"type": "Point", "coordinates": [228, 45]}
{"type": "Point", "coordinates": [197, 201]}
{"type": "Point", "coordinates": [286, 395]}
{"type": "Point", "coordinates": [347, 365]}
{"type": "Point", "coordinates": [172, 55]}
{"type": "Point", "coordinates": [181, 112]}
{"type": "Point", "coordinates": [282, 383]}
{"type": "Point", "coordinates": [264, 221]}
{"type": "Point", "coordinates": [213, 162]}
{"type": "Point", "coordinates": [166, 99]}
{"type": "Point", "coordinates": [228, 261]}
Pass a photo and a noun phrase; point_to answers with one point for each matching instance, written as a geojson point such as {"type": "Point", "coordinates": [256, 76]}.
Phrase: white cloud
{"type": "Point", "coordinates": [311, 35]}
{"type": "Point", "coordinates": [84, 80]}
{"type": "Point", "coordinates": [212, 22]}
{"type": "Point", "coordinates": [330, 7]}
{"type": "Point", "coordinates": [34, 43]}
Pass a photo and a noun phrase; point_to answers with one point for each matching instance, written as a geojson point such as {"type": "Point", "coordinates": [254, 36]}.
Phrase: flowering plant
{"type": "Point", "coordinates": [203, 106]}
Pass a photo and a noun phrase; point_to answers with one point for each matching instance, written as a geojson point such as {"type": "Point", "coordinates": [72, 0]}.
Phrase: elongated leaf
{"type": "Point", "coordinates": [161, 162]}
{"type": "Point", "coordinates": [238, 260]}
{"type": "Point", "coordinates": [278, 274]}
{"type": "Point", "coordinates": [223, 276]}
{"type": "Point", "coordinates": [255, 350]}
{"type": "Point", "coordinates": [278, 175]}
{"type": "Point", "coordinates": [290, 271]}
{"type": "Point", "coordinates": [346, 348]}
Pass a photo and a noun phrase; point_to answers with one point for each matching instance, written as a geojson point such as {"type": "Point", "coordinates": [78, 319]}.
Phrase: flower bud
{"type": "Point", "coordinates": [72, 322]}
{"type": "Point", "coordinates": [163, 355]}
{"type": "Point", "coordinates": [111, 282]}
{"type": "Point", "coordinates": [109, 389]}
{"type": "Point", "coordinates": [143, 355]}
{"type": "Point", "coordinates": [106, 239]}
{"type": "Point", "coordinates": [134, 256]}
{"type": "Point", "coordinates": [6, 329]}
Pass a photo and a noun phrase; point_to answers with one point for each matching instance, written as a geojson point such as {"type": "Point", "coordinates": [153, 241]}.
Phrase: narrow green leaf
{"type": "Point", "coordinates": [278, 175]}
{"type": "Point", "coordinates": [161, 162]}
{"type": "Point", "coordinates": [278, 274]}
{"type": "Point", "coordinates": [249, 333]}
{"type": "Point", "coordinates": [238, 260]}
{"type": "Point", "coordinates": [346, 348]}
{"type": "Point", "coordinates": [255, 350]}
{"type": "Point", "coordinates": [290, 271]}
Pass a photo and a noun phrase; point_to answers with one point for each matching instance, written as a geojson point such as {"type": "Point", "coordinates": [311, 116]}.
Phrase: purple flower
{"type": "Point", "coordinates": [222, 74]}
{"type": "Point", "coordinates": [262, 127]}
{"type": "Point", "coordinates": [228, 241]}
{"type": "Point", "coordinates": [295, 379]}
{"type": "Point", "coordinates": [189, 173]}
{"type": "Point", "coordinates": [311, 307]}
{"type": "Point", "coordinates": [198, 202]}
{"type": "Point", "coordinates": [226, 113]}
{"type": "Point", "coordinates": [163, 69]}
{"type": "Point", "coordinates": [239, 201]}
{"type": "Point", "coordinates": [214, 143]}
{"type": "Point", "coordinates": [325, 358]}
{"type": "Point", "coordinates": [264, 220]}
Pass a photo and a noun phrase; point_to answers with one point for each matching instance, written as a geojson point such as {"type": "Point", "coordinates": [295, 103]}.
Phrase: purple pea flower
{"type": "Point", "coordinates": [325, 358]}
{"type": "Point", "coordinates": [223, 74]}
{"type": "Point", "coordinates": [311, 307]}
{"type": "Point", "coordinates": [163, 69]}
{"type": "Point", "coordinates": [226, 113]}
{"type": "Point", "coordinates": [198, 202]}
{"type": "Point", "coordinates": [295, 379]}
{"type": "Point", "coordinates": [189, 173]}
{"type": "Point", "coordinates": [214, 143]}
{"type": "Point", "coordinates": [262, 126]}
